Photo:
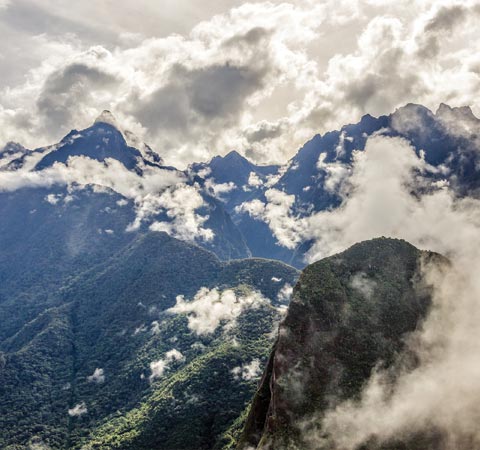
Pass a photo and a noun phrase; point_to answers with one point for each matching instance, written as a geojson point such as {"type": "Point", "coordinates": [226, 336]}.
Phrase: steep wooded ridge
{"type": "Point", "coordinates": [350, 313]}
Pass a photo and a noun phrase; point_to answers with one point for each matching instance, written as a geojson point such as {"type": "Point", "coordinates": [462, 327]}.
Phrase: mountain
{"type": "Point", "coordinates": [140, 302]}
{"type": "Point", "coordinates": [134, 177]}
{"type": "Point", "coordinates": [350, 314]}
{"type": "Point", "coordinates": [226, 219]}
{"type": "Point", "coordinates": [446, 139]}
{"type": "Point", "coordinates": [104, 365]}
{"type": "Point", "coordinates": [102, 140]}
{"type": "Point", "coordinates": [238, 178]}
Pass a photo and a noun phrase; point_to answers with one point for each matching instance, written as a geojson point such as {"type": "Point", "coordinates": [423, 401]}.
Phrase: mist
{"type": "Point", "coordinates": [441, 396]}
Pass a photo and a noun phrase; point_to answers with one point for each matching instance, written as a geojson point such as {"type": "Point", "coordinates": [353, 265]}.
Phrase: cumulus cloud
{"type": "Point", "coordinates": [78, 410]}
{"type": "Point", "coordinates": [211, 308]}
{"type": "Point", "coordinates": [219, 190]}
{"type": "Point", "coordinates": [160, 366]}
{"type": "Point", "coordinates": [180, 203]}
{"type": "Point", "coordinates": [335, 172]}
{"type": "Point", "coordinates": [380, 202]}
{"type": "Point", "coordinates": [261, 77]}
{"type": "Point", "coordinates": [98, 376]}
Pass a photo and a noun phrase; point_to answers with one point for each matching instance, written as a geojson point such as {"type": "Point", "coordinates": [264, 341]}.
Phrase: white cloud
{"type": "Point", "coordinates": [211, 308]}
{"type": "Point", "coordinates": [442, 392]}
{"type": "Point", "coordinates": [158, 367]}
{"type": "Point", "coordinates": [78, 410]}
{"type": "Point", "coordinates": [363, 284]}
{"type": "Point", "coordinates": [155, 191]}
{"type": "Point", "coordinates": [155, 327]}
{"type": "Point", "coordinates": [219, 190]}
{"type": "Point", "coordinates": [52, 199]}
{"type": "Point", "coordinates": [247, 372]}
{"type": "Point", "coordinates": [98, 376]}
{"type": "Point", "coordinates": [254, 180]}
{"type": "Point", "coordinates": [336, 172]}
{"type": "Point", "coordinates": [277, 212]}
{"type": "Point", "coordinates": [285, 293]}
{"type": "Point", "coordinates": [180, 203]}
{"type": "Point", "coordinates": [290, 69]}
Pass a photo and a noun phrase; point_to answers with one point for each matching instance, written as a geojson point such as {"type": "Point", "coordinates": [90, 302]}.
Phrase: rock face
{"type": "Point", "coordinates": [349, 314]}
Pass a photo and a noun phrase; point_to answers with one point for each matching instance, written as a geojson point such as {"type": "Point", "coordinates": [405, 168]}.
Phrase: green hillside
{"type": "Point", "coordinates": [78, 375]}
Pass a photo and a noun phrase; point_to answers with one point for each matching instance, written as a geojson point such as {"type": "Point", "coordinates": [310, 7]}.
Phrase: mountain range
{"type": "Point", "coordinates": [141, 302]}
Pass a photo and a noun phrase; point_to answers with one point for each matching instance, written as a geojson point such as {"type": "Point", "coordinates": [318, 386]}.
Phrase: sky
{"type": "Point", "coordinates": [197, 79]}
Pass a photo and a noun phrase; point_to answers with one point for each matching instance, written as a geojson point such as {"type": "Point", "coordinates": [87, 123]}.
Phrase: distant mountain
{"type": "Point", "coordinates": [102, 365]}
{"type": "Point", "coordinates": [448, 140]}
{"type": "Point", "coordinates": [240, 179]}
{"type": "Point", "coordinates": [349, 314]}
{"type": "Point", "coordinates": [105, 142]}
{"type": "Point", "coordinates": [102, 140]}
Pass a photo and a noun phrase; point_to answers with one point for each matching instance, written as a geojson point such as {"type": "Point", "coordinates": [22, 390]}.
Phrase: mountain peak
{"type": "Point", "coordinates": [107, 117]}
{"type": "Point", "coordinates": [234, 155]}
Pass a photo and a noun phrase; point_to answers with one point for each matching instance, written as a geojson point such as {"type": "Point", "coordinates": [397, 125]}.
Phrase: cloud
{"type": "Point", "coordinates": [67, 90]}
{"type": "Point", "coordinates": [363, 284]}
{"type": "Point", "coordinates": [388, 195]}
{"type": "Point", "coordinates": [219, 190]}
{"type": "Point", "coordinates": [153, 192]}
{"type": "Point", "coordinates": [262, 77]}
{"type": "Point", "coordinates": [285, 293]}
{"type": "Point", "coordinates": [211, 308]}
{"type": "Point", "coordinates": [52, 199]}
{"type": "Point", "coordinates": [98, 376]}
{"type": "Point", "coordinates": [248, 372]}
{"type": "Point", "coordinates": [190, 95]}
{"type": "Point", "coordinates": [380, 202]}
{"type": "Point", "coordinates": [158, 367]}
{"type": "Point", "coordinates": [277, 212]}
{"type": "Point", "coordinates": [78, 410]}
{"type": "Point", "coordinates": [335, 172]}
{"type": "Point", "coordinates": [180, 203]}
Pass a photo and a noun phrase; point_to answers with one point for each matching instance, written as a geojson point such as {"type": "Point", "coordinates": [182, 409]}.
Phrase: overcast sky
{"type": "Point", "coordinates": [195, 79]}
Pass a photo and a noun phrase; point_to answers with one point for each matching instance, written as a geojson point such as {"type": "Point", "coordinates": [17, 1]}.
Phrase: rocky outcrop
{"type": "Point", "coordinates": [350, 313]}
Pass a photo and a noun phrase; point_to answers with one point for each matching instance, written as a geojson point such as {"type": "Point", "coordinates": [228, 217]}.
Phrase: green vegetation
{"type": "Point", "coordinates": [349, 314]}
{"type": "Point", "coordinates": [112, 316]}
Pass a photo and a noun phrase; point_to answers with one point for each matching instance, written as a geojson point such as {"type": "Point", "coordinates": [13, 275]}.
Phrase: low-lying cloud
{"type": "Point", "coordinates": [389, 196]}
{"type": "Point", "coordinates": [248, 372]}
{"type": "Point", "coordinates": [159, 366]}
{"type": "Point", "coordinates": [78, 410]}
{"type": "Point", "coordinates": [98, 376]}
{"type": "Point", "coordinates": [211, 308]}
{"type": "Point", "coordinates": [154, 192]}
